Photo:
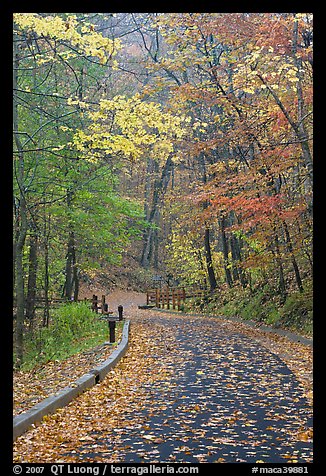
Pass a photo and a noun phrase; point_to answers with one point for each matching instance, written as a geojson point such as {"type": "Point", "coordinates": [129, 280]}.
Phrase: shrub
{"type": "Point", "coordinates": [297, 312]}
{"type": "Point", "coordinates": [73, 319]}
{"type": "Point", "coordinates": [74, 328]}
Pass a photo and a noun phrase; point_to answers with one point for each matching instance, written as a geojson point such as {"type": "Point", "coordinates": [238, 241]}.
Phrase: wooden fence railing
{"type": "Point", "coordinates": [172, 297]}
{"type": "Point", "coordinates": [96, 304]}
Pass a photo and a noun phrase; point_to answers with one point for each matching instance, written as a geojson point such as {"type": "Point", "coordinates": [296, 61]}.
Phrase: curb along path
{"type": "Point", "coordinates": [188, 390]}
{"type": "Point", "coordinates": [25, 420]}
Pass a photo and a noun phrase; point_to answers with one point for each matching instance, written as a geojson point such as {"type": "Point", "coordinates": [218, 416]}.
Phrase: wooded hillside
{"type": "Point", "coordinates": [178, 144]}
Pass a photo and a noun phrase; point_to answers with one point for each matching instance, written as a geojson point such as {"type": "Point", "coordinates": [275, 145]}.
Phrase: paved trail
{"type": "Point", "coordinates": [188, 390]}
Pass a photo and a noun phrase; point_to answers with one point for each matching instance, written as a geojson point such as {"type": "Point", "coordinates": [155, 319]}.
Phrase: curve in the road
{"type": "Point", "coordinates": [225, 398]}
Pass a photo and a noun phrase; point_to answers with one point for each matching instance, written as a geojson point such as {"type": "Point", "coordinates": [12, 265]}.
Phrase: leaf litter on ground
{"type": "Point", "coordinates": [184, 402]}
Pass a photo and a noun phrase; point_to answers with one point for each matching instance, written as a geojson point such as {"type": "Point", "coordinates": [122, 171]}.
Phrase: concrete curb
{"type": "Point", "coordinates": [101, 370]}
{"type": "Point", "coordinates": [283, 332]}
{"type": "Point", "coordinates": [25, 420]}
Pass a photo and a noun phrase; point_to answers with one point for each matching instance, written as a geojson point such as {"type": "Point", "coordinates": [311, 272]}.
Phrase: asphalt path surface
{"type": "Point", "coordinates": [188, 390]}
{"type": "Point", "coordinates": [222, 397]}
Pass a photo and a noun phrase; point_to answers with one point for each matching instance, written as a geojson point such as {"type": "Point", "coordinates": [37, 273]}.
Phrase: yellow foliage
{"type": "Point", "coordinates": [88, 41]}
{"type": "Point", "coordinates": [129, 126]}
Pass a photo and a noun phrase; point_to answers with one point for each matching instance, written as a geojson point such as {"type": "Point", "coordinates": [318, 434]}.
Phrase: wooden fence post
{"type": "Point", "coordinates": [120, 312]}
{"type": "Point", "coordinates": [168, 296]}
{"type": "Point", "coordinates": [112, 331]}
{"type": "Point", "coordinates": [173, 298]}
{"type": "Point", "coordinates": [103, 303]}
{"type": "Point", "coordinates": [157, 298]}
{"type": "Point", "coordinates": [178, 299]}
{"type": "Point", "coordinates": [94, 303]}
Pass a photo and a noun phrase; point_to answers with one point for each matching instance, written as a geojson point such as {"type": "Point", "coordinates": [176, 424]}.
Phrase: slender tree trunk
{"type": "Point", "coordinates": [294, 261]}
{"type": "Point", "coordinates": [151, 212]}
{"type": "Point", "coordinates": [225, 249]}
{"type": "Point", "coordinates": [238, 273]}
{"type": "Point", "coordinates": [68, 286]}
{"type": "Point", "coordinates": [209, 261]}
{"type": "Point", "coordinates": [281, 280]}
{"type": "Point", "coordinates": [202, 267]}
{"type": "Point", "coordinates": [23, 224]}
{"type": "Point", "coordinates": [75, 277]}
{"type": "Point", "coordinates": [160, 187]}
{"type": "Point", "coordinates": [71, 285]}
{"type": "Point", "coordinates": [156, 250]}
{"type": "Point", "coordinates": [235, 259]}
{"type": "Point", "coordinates": [15, 239]}
{"type": "Point", "coordinates": [20, 294]}
{"type": "Point", "coordinates": [207, 235]}
{"type": "Point", "coordinates": [150, 169]}
{"type": "Point", "coordinates": [46, 311]}
{"type": "Point", "coordinates": [32, 274]}
{"type": "Point", "coordinates": [76, 284]}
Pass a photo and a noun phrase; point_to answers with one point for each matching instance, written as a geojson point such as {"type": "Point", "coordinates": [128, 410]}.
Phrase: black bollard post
{"type": "Point", "coordinates": [120, 312]}
{"type": "Point", "coordinates": [112, 331]}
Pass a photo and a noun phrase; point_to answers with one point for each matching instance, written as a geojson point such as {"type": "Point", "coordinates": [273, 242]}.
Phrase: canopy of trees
{"type": "Point", "coordinates": [184, 137]}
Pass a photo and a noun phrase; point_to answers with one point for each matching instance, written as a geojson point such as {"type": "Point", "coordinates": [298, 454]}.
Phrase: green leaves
{"type": "Point", "coordinates": [73, 327]}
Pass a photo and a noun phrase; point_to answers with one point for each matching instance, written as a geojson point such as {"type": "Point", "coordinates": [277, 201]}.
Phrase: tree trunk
{"type": "Point", "coordinates": [207, 235]}
{"type": "Point", "coordinates": [15, 238]}
{"type": "Point", "coordinates": [236, 259]}
{"type": "Point", "coordinates": [75, 277]}
{"type": "Point", "coordinates": [160, 187]}
{"type": "Point", "coordinates": [32, 274]}
{"type": "Point", "coordinates": [156, 250]}
{"type": "Point", "coordinates": [71, 285]}
{"type": "Point", "coordinates": [209, 262]}
{"type": "Point", "coordinates": [294, 261]}
{"type": "Point", "coordinates": [151, 213]}
{"type": "Point", "coordinates": [46, 311]}
{"type": "Point", "coordinates": [46, 237]}
{"type": "Point", "coordinates": [20, 295]}
{"type": "Point", "coordinates": [225, 250]}
{"type": "Point", "coordinates": [22, 225]}
{"type": "Point", "coordinates": [281, 281]}
{"type": "Point", "coordinates": [68, 286]}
